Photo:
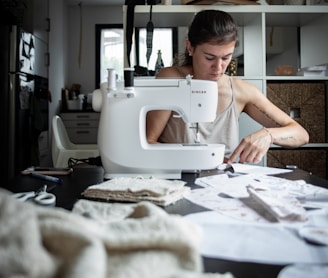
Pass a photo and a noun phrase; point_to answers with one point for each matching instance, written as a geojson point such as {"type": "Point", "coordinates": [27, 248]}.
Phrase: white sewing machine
{"type": "Point", "coordinates": [122, 142]}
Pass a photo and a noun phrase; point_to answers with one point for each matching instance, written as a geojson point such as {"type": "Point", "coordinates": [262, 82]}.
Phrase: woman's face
{"type": "Point", "coordinates": [210, 61]}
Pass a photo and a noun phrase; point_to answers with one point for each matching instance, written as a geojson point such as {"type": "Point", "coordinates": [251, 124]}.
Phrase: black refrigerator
{"type": "Point", "coordinates": [24, 100]}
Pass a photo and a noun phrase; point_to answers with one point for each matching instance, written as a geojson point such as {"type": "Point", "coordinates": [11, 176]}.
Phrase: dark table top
{"type": "Point", "coordinates": [70, 190]}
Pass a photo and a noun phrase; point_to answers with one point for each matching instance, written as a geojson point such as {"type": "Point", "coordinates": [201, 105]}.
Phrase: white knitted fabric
{"type": "Point", "coordinates": [97, 240]}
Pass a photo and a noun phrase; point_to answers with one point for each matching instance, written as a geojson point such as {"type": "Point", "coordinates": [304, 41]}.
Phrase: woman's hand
{"type": "Point", "coordinates": [253, 147]}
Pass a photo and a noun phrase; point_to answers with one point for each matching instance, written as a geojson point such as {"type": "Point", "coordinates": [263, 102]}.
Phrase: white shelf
{"type": "Point", "coordinates": [297, 78]}
{"type": "Point", "coordinates": [234, 8]}
{"type": "Point", "coordinates": [256, 21]}
{"type": "Point", "coordinates": [298, 33]}
{"type": "Point", "coordinates": [278, 15]}
{"type": "Point", "coordinates": [307, 146]}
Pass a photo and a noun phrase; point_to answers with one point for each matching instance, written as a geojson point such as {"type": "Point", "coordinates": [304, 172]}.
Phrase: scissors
{"type": "Point", "coordinates": [40, 196]}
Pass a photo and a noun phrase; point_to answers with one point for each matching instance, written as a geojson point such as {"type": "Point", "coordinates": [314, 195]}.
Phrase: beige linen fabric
{"type": "Point", "coordinates": [158, 191]}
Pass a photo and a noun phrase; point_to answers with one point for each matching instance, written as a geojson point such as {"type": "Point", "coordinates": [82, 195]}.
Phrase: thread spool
{"type": "Point", "coordinates": [129, 77]}
{"type": "Point", "coordinates": [111, 79]}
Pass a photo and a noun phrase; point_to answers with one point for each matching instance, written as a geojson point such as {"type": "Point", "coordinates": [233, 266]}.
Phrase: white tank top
{"type": "Point", "coordinates": [224, 129]}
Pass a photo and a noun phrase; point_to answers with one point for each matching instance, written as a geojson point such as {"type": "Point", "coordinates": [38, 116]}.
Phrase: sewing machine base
{"type": "Point", "coordinates": [169, 161]}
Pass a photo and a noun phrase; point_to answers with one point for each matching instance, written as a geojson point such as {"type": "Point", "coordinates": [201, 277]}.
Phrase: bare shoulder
{"type": "Point", "coordinates": [245, 90]}
{"type": "Point", "coordinates": [173, 72]}
{"type": "Point", "coordinates": [248, 96]}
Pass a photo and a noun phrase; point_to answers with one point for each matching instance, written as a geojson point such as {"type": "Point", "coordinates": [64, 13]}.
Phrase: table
{"type": "Point", "coordinates": [70, 190]}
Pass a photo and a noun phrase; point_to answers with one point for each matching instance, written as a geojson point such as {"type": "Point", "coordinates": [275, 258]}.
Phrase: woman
{"type": "Point", "coordinates": [211, 41]}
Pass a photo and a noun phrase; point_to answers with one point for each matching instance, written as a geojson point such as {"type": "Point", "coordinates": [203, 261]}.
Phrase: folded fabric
{"type": "Point", "coordinates": [281, 207]}
{"type": "Point", "coordinates": [114, 240]}
{"type": "Point", "coordinates": [158, 191]}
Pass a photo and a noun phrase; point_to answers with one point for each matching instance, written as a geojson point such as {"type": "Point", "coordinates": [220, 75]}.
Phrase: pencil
{"type": "Point", "coordinates": [47, 178]}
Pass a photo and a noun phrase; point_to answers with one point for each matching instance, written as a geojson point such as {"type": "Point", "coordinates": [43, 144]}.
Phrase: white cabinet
{"type": "Point", "coordinates": [271, 35]}
{"type": "Point", "coordinates": [82, 127]}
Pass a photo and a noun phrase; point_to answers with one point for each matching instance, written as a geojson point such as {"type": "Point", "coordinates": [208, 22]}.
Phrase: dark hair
{"type": "Point", "coordinates": [211, 26]}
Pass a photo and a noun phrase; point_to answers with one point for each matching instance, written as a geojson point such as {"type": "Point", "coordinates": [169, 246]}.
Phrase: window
{"type": "Point", "coordinates": [109, 51]}
{"type": "Point", "coordinates": [164, 39]}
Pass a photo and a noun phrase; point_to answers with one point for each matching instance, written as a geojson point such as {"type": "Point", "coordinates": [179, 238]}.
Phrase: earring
{"type": "Point", "coordinates": [190, 54]}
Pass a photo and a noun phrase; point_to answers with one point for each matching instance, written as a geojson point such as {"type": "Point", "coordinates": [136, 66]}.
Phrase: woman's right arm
{"type": "Point", "coordinates": [156, 120]}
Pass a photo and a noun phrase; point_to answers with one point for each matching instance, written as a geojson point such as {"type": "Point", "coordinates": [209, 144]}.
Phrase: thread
{"type": "Point", "coordinates": [128, 77]}
{"type": "Point", "coordinates": [111, 79]}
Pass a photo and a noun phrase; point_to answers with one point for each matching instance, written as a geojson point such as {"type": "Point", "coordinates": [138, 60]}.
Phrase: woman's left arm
{"type": "Point", "coordinates": [279, 128]}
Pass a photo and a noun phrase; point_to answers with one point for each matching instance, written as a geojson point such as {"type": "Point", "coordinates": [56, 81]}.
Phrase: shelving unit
{"type": "Point", "coordinates": [299, 35]}
{"type": "Point", "coordinates": [312, 22]}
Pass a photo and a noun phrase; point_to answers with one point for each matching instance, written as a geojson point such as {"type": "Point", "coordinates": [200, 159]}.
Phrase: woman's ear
{"type": "Point", "coordinates": [189, 47]}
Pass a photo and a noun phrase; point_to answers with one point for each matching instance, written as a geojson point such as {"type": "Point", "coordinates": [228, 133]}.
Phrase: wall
{"type": "Point", "coordinates": [58, 55]}
{"type": "Point", "coordinates": [63, 48]}
{"type": "Point", "coordinates": [286, 52]}
{"type": "Point", "coordinates": [84, 72]}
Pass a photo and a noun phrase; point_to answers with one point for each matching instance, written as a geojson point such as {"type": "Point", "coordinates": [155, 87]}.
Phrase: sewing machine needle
{"type": "Point", "coordinates": [197, 140]}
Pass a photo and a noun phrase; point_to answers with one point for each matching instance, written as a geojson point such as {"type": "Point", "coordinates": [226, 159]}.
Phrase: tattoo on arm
{"type": "Point", "coordinates": [286, 138]}
{"type": "Point", "coordinates": [267, 115]}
